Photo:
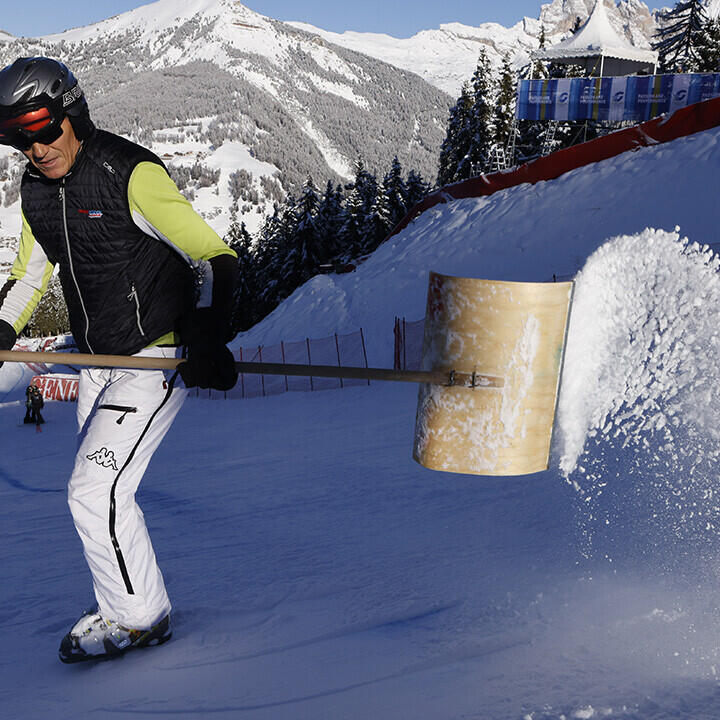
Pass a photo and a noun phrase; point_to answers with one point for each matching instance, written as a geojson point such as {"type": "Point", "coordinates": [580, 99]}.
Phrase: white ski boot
{"type": "Point", "coordinates": [94, 637]}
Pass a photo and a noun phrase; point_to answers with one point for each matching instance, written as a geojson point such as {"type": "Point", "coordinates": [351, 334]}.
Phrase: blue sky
{"type": "Point", "coordinates": [400, 18]}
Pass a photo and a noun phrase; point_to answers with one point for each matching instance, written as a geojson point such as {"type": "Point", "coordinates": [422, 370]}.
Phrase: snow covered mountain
{"type": "Point", "coordinates": [317, 572]}
{"type": "Point", "coordinates": [214, 83]}
{"type": "Point", "coordinates": [446, 57]}
{"type": "Point", "coordinates": [217, 88]}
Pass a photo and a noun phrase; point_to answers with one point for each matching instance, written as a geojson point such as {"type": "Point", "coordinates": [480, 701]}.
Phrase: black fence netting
{"type": "Point", "coordinates": [337, 350]}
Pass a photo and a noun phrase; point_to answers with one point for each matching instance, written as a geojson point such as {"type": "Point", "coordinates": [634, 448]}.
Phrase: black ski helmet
{"type": "Point", "coordinates": [40, 82]}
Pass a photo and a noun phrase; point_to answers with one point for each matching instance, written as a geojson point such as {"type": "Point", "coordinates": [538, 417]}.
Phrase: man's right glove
{"type": "Point", "coordinates": [8, 336]}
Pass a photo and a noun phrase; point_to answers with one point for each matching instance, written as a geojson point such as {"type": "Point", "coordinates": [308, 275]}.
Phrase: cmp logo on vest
{"type": "Point", "coordinates": [91, 213]}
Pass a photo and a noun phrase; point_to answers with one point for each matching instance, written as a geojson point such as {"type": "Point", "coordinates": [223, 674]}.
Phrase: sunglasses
{"type": "Point", "coordinates": [40, 125]}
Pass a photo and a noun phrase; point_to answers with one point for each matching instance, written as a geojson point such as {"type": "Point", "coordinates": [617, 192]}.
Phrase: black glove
{"type": "Point", "coordinates": [209, 363]}
{"type": "Point", "coordinates": [8, 336]}
{"type": "Point", "coordinates": [205, 332]}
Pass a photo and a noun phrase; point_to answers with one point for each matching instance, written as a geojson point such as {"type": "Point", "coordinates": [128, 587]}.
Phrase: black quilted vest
{"type": "Point", "coordinates": [124, 289]}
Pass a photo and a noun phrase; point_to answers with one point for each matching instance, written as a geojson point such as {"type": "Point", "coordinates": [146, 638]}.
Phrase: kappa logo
{"type": "Point", "coordinates": [104, 458]}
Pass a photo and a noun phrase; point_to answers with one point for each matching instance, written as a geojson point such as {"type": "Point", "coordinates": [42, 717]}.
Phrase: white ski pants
{"type": "Point", "coordinates": [122, 417]}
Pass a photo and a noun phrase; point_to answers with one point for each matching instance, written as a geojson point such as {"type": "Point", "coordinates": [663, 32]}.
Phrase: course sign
{"type": "Point", "coordinates": [636, 98]}
{"type": "Point", "coordinates": [57, 387]}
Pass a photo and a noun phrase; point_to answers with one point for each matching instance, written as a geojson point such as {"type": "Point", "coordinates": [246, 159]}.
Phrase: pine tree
{"type": "Point", "coordinates": [505, 104]}
{"type": "Point", "coordinates": [678, 40]}
{"type": "Point", "coordinates": [361, 198]}
{"type": "Point", "coordinates": [305, 247]}
{"type": "Point", "coordinates": [536, 69]}
{"type": "Point", "coordinates": [244, 312]}
{"type": "Point", "coordinates": [378, 222]}
{"type": "Point", "coordinates": [457, 140]}
{"type": "Point", "coordinates": [708, 47]}
{"type": "Point", "coordinates": [480, 122]}
{"type": "Point", "coordinates": [276, 241]}
{"type": "Point", "coordinates": [352, 231]}
{"type": "Point", "coordinates": [395, 189]}
{"type": "Point", "coordinates": [331, 217]}
{"type": "Point", "coordinates": [417, 188]}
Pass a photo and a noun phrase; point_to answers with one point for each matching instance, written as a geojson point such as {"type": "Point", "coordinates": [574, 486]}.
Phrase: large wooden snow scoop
{"type": "Point", "coordinates": [491, 366]}
{"type": "Point", "coordinates": [514, 330]}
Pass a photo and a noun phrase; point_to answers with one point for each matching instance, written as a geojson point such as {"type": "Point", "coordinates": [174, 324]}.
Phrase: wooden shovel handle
{"type": "Point", "coordinates": [438, 377]}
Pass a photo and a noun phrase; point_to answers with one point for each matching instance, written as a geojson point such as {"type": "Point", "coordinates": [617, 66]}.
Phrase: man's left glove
{"type": "Point", "coordinates": [204, 331]}
{"type": "Point", "coordinates": [8, 336]}
{"type": "Point", "coordinates": [209, 363]}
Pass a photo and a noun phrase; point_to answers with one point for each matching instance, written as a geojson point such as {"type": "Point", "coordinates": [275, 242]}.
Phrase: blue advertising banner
{"type": "Point", "coordinates": [612, 99]}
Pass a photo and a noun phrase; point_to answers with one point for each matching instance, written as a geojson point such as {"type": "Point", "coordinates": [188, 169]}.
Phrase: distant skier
{"type": "Point", "coordinates": [28, 404]}
{"type": "Point", "coordinates": [35, 404]}
{"type": "Point", "coordinates": [142, 274]}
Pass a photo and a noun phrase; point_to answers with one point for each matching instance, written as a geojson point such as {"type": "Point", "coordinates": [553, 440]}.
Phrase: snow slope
{"type": "Point", "coordinates": [318, 573]}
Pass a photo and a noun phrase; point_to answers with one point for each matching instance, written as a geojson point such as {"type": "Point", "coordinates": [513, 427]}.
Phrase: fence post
{"type": "Point", "coordinates": [242, 379]}
{"type": "Point", "coordinates": [396, 350]}
{"type": "Point", "coordinates": [262, 377]}
{"type": "Point", "coordinates": [282, 352]}
{"type": "Point", "coordinates": [404, 344]}
{"type": "Point", "coordinates": [337, 347]}
{"type": "Point", "coordinates": [312, 387]}
{"type": "Point", "coordinates": [362, 340]}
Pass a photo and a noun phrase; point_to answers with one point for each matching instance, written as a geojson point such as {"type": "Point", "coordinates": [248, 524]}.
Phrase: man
{"type": "Point", "coordinates": [36, 401]}
{"type": "Point", "coordinates": [142, 274]}
{"type": "Point", "coordinates": [28, 403]}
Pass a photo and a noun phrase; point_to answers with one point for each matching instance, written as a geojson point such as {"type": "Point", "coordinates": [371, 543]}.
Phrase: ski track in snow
{"type": "Point", "coordinates": [317, 572]}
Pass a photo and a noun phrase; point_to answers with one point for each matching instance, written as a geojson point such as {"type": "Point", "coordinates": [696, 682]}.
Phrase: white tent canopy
{"type": "Point", "coordinates": [599, 49]}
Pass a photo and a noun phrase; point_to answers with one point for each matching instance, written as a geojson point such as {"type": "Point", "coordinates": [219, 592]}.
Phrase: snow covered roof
{"type": "Point", "coordinates": [596, 38]}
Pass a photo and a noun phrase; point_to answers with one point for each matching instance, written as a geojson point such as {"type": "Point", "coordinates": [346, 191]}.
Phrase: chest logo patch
{"type": "Point", "coordinates": [91, 213]}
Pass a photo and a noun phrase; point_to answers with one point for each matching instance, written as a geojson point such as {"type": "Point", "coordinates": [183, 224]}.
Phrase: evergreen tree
{"type": "Point", "coordinates": [457, 140]}
{"type": "Point", "coordinates": [417, 188]}
{"type": "Point", "coordinates": [480, 122]}
{"type": "Point", "coordinates": [505, 104]}
{"type": "Point", "coordinates": [396, 192]}
{"type": "Point", "coordinates": [378, 222]}
{"type": "Point", "coordinates": [708, 47]}
{"type": "Point", "coordinates": [536, 69]}
{"type": "Point", "coordinates": [530, 133]}
{"type": "Point", "coordinates": [276, 240]}
{"type": "Point", "coordinates": [352, 232]}
{"type": "Point", "coordinates": [361, 198]}
{"type": "Point", "coordinates": [331, 217]}
{"type": "Point", "coordinates": [305, 246]}
{"type": "Point", "coordinates": [678, 40]}
{"type": "Point", "coordinates": [244, 307]}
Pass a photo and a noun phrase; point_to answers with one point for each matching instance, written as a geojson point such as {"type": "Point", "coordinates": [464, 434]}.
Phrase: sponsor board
{"type": "Point", "coordinates": [635, 98]}
{"type": "Point", "coordinates": [57, 387]}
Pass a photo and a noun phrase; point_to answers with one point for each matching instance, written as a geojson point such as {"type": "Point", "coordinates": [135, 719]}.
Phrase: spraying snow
{"type": "Point", "coordinates": [642, 343]}
{"type": "Point", "coordinates": [637, 417]}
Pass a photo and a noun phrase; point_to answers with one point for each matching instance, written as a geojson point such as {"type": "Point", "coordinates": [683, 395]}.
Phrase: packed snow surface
{"type": "Point", "coordinates": [317, 572]}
